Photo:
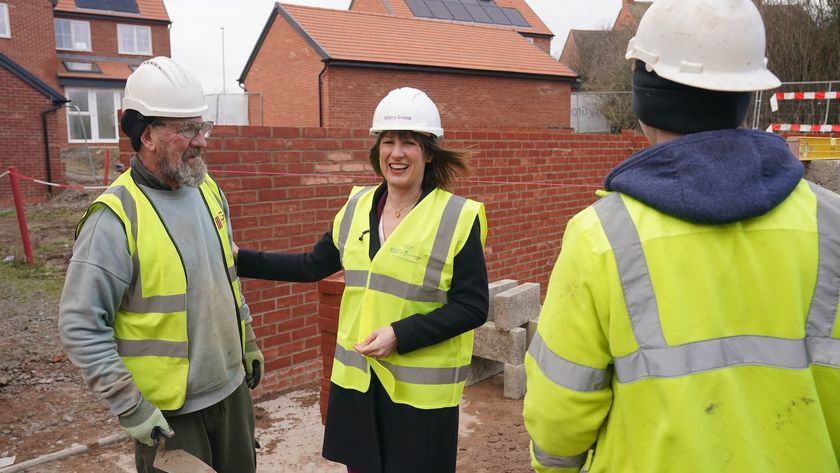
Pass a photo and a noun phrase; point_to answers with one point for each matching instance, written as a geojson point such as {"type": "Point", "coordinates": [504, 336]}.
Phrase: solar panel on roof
{"type": "Point", "coordinates": [478, 14]}
{"type": "Point", "coordinates": [439, 9]}
{"type": "Point", "coordinates": [458, 11]}
{"type": "Point", "coordinates": [515, 17]}
{"type": "Point", "coordinates": [419, 8]}
{"type": "Point", "coordinates": [477, 11]}
{"type": "Point", "coordinates": [496, 14]}
{"type": "Point", "coordinates": [127, 6]}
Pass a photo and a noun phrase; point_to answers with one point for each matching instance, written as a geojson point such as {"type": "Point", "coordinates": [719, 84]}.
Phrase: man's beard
{"type": "Point", "coordinates": [188, 172]}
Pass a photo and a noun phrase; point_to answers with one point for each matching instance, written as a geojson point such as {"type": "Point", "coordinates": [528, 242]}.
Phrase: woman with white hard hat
{"type": "Point", "coordinates": [415, 288]}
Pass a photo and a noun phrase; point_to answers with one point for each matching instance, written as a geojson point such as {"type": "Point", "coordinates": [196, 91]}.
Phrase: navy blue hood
{"type": "Point", "coordinates": [714, 177]}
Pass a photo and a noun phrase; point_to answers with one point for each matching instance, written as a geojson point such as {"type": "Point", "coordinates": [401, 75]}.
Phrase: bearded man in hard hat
{"type": "Point", "coordinates": [690, 322]}
{"type": "Point", "coordinates": [151, 309]}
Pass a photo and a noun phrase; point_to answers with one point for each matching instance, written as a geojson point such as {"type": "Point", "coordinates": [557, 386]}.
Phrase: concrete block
{"type": "Point", "coordinates": [481, 369]}
{"type": "Point", "coordinates": [515, 382]}
{"type": "Point", "coordinates": [496, 287]}
{"type": "Point", "coordinates": [506, 346]}
{"type": "Point", "coordinates": [516, 306]}
{"type": "Point", "coordinates": [530, 330]}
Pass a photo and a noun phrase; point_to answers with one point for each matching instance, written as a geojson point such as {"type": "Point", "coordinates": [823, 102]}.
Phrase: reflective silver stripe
{"type": "Point", "coordinates": [424, 375]}
{"type": "Point", "coordinates": [552, 461]}
{"type": "Point", "coordinates": [823, 310]}
{"type": "Point", "coordinates": [632, 269]}
{"type": "Point", "coordinates": [347, 219]}
{"type": "Point", "coordinates": [160, 304]}
{"type": "Point", "coordinates": [133, 300]}
{"type": "Point", "coordinates": [712, 354]}
{"type": "Point", "coordinates": [824, 351]}
{"type": "Point", "coordinates": [355, 277]}
{"type": "Point", "coordinates": [404, 290]}
{"type": "Point", "coordinates": [350, 358]}
{"type": "Point", "coordinates": [443, 240]}
{"type": "Point", "coordinates": [152, 348]}
{"type": "Point", "coordinates": [232, 273]}
{"type": "Point", "coordinates": [564, 372]}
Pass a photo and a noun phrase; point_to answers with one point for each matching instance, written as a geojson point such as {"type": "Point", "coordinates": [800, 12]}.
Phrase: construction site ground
{"type": "Point", "coordinates": [45, 407]}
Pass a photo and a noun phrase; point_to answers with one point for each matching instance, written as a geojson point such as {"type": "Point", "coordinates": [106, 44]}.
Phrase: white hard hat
{"type": "Point", "coordinates": [161, 87]}
{"type": "Point", "coordinates": [407, 109]}
{"type": "Point", "coordinates": [708, 44]}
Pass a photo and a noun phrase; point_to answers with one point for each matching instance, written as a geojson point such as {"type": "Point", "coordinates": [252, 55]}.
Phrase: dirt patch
{"type": "Point", "coordinates": [46, 408]}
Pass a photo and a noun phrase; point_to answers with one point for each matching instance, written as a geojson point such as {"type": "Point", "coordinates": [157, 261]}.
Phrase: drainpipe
{"type": "Point", "coordinates": [47, 142]}
{"type": "Point", "coordinates": [320, 99]}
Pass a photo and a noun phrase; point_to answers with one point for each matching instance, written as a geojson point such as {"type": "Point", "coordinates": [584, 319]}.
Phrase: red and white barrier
{"type": "Point", "coordinates": [774, 99]}
{"type": "Point", "coordinates": [804, 128]}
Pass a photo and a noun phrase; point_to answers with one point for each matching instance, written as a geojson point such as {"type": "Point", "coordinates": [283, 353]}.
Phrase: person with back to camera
{"type": "Point", "coordinates": [690, 322]}
{"type": "Point", "coordinates": [151, 309]}
{"type": "Point", "coordinates": [415, 288]}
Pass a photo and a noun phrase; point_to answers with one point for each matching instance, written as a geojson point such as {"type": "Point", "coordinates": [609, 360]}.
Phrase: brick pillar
{"type": "Point", "coordinates": [329, 296]}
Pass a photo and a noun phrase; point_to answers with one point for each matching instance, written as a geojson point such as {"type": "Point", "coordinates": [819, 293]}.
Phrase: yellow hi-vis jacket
{"type": "Point", "coordinates": [411, 274]}
{"type": "Point", "coordinates": [150, 326]}
{"type": "Point", "coordinates": [669, 346]}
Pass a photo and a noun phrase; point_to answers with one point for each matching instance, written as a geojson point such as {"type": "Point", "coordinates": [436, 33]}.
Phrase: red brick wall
{"type": "Point", "coordinates": [286, 184]}
{"type": "Point", "coordinates": [32, 44]}
{"type": "Point", "coordinates": [286, 74]}
{"type": "Point", "coordinates": [22, 139]}
{"type": "Point", "coordinates": [464, 101]}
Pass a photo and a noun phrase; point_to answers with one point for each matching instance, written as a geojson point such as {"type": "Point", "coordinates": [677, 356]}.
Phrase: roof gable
{"type": "Point", "coordinates": [341, 35]}
{"type": "Point", "coordinates": [31, 80]}
{"type": "Point", "coordinates": [145, 9]}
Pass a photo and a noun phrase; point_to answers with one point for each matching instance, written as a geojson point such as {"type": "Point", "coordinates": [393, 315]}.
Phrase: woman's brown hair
{"type": "Point", "coordinates": [446, 164]}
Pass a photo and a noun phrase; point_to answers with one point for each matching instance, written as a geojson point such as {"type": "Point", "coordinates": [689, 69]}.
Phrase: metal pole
{"type": "Point", "coordinates": [223, 61]}
{"type": "Point", "coordinates": [21, 215]}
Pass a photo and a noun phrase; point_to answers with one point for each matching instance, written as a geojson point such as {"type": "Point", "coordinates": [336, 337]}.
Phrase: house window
{"type": "Point", "coordinates": [72, 34]}
{"type": "Point", "coordinates": [81, 66]}
{"type": "Point", "coordinates": [134, 39]}
{"type": "Point", "coordinates": [5, 30]}
{"type": "Point", "coordinates": [92, 115]}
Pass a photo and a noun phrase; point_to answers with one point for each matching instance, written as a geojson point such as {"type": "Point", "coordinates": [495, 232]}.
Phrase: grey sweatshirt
{"type": "Point", "coordinates": [100, 272]}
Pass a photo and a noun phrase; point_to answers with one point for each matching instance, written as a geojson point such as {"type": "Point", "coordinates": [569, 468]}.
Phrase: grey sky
{"type": "Point", "coordinates": [197, 35]}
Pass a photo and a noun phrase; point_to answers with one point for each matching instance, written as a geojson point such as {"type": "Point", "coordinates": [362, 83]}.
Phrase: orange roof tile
{"type": "Point", "coordinates": [111, 70]}
{"type": "Point", "coordinates": [369, 37]}
{"type": "Point", "coordinates": [149, 10]}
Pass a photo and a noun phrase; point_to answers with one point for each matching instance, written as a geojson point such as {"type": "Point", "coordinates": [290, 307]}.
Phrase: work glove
{"type": "Point", "coordinates": [143, 420]}
{"type": "Point", "coordinates": [254, 362]}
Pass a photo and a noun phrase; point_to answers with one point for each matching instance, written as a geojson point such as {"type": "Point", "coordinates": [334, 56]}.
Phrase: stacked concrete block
{"type": "Point", "coordinates": [501, 343]}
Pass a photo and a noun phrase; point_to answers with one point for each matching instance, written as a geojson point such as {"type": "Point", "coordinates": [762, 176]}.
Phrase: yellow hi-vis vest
{"type": "Point", "coordinates": [411, 274]}
{"type": "Point", "coordinates": [150, 326]}
{"type": "Point", "coordinates": [674, 346]}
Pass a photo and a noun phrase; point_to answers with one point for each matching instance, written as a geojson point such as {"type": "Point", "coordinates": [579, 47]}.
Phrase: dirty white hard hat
{"type": "Point", "coordinates": [708, 44]}
{"type": "Point", "coordinates": [407, 108]}
{"type": "Point", "coordinates": [162, 87]}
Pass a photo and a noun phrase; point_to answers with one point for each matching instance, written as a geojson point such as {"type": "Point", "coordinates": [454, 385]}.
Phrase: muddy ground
{"type": "Point", "coordinates": [45, 407]}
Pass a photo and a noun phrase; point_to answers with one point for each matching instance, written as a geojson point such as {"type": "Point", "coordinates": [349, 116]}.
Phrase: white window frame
{"type": "Point", "coordinates": [135, 29]}
{"type": "Point", "coordinates": [4, 21]}
{"type": "Point", "coordinates": [73, 32]}
{"type": "Point", "coordinates": [93, 113]}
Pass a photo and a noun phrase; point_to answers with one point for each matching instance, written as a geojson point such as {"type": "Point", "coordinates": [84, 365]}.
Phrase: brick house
{"type": "Point", "coordinates": [582, 44]}
{"type": "Point", "coordinates": [98, 44]}
{"type": "Point", "coordinates": [55, 51]}
{"type": "Point", "coordinates": [329, 68]}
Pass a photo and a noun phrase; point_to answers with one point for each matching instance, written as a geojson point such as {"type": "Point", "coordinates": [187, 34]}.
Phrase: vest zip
{"type": "Point", "coordinates": [180, 258]}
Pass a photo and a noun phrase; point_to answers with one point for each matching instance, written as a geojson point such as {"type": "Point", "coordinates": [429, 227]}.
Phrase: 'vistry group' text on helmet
{"type": "Point", "coordinates": [407, 109]}
{"type": "Point", "coordinates": [161, 87]}
{"type": "Point", "coordinates": [708, 44]}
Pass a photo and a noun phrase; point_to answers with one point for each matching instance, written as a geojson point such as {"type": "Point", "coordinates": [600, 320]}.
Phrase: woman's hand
{"type": "Point", "coordinates": [379, 344]}
{"type": "Point", "coordinates": [235, 250]}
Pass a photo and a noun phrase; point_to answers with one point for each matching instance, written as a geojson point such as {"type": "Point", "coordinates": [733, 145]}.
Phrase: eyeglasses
{"type": "Point", "coordinates": [189, 130]}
